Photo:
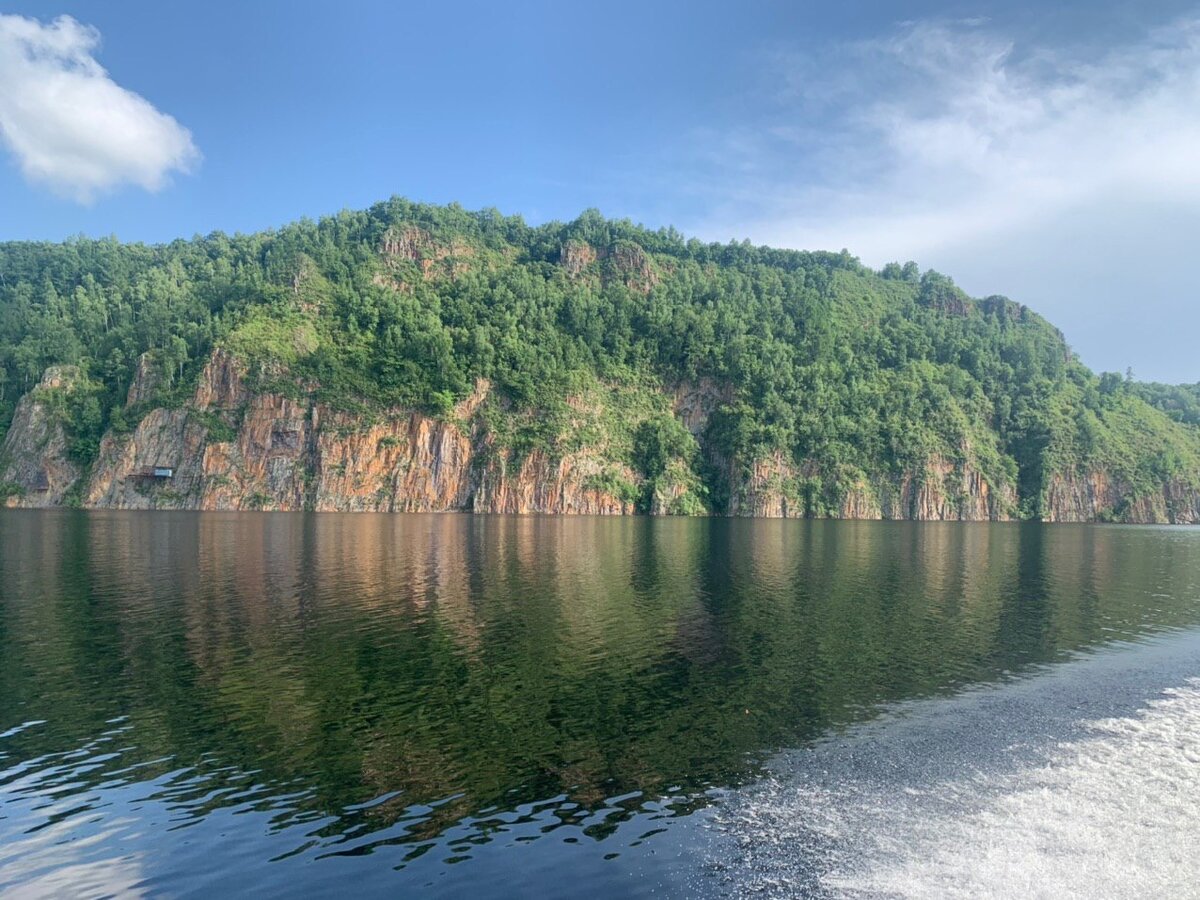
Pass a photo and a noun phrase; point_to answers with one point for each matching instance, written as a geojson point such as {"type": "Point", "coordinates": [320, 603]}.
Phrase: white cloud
{"type": "Point", "coordinates": [949, 135]}
{"type": "Point", "coordinates": [1058, 176]}
{"type": "Point", "coordinates": [69, 125]}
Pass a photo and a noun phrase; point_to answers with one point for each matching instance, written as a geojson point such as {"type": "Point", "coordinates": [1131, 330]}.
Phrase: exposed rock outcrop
{"type": "Point", "coordinates": [860, 502]}
{"type": "Point", "coordinates": [1002, 307]}
{"type": "Point", "coordinates": [630, 264]}
{"type": "Point", "coordinates": [410, 244]}
{"type": "Point", "coordinates": [238, 446]}
{"type": "Point", "coordinates": [290, 455]}
{"type": "Point", "coordinates": [221, 383]}
{"type": "Point", "coordinates": [544, 485]}
{"type": "Point", "coordinates": [33, 458]}
{"type": "Point", "coordinates": [146, 379]}
{"type": "Point", "coordinates": [694, 403]}
{"type": "Point", "coordinates": [407, 463]}
{"type": "Point", "coordinates": [937, 491]}
{"type": "Point", "coordinates": [576, 256]}
{"type": "Point", "coordinates": [1097, 496]}
{"type": "Point", "coordinates": [624, 262]}
{"type": "Point", "coordinates": [943, 491]}
{"type": "Point", "coordinates": [765, 489]}
{"type": "Point", "coordinates": [162, 438]}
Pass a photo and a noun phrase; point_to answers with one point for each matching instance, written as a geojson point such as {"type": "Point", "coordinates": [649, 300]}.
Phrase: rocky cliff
{"type": "Point", "coordinates": [936, 491]}
{"type": "Point", "coordinates": [235, 445]}
{"type": "Point", "coordinates": [234, 448]}
{"type": "Point", "coordinates": [1095, 495]}
{"type": "Point", "coordinates": [339, 364]}
{"type": "Point", "coordinates": [35, 468]}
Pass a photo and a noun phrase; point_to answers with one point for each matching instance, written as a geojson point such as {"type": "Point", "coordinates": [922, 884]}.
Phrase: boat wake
{"type": "Point", "coordinates": [1112, 812]}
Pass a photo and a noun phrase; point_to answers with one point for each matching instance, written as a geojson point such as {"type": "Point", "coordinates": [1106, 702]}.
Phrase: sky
{"type": "Point", "coordinates": [1048, 154]}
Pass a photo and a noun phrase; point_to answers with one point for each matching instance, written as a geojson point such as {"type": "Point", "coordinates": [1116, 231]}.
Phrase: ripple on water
{"type": "Point", "coordinates": [220, 701]}
{"type": "Point", "coordinates": [1114, 815]}
{"type": "Point", "coordinates": [963, 799]}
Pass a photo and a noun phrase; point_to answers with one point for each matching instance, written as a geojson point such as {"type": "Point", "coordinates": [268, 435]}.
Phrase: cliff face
{"type": "Point", "coordinates": [235, 447]}
{"type": "Point", "coordinates": [290, 455]}
{"type": "Point", "coordinates": [775, 487]}
{"type": "Point", "coordinates": [1096, 496]}
{"type": "Point", "coordinates": [541, 484]}
{"type": "Point", "coordinates": [34, 464]}
{"type": "Point", "coordinates": [946, 491]}
{"type": "Point", "coordinates": [163, 437]}
{"type": "Point", "coordinates": [763, 489]}
{"type": "Point", "coordinates": [624, 262]}
{"type": "Point", "coordinates": [145, 380]}
{"type": "Point", "coordinates": [407, 463]}
{"type": "Point", "coordinates": [935, 492]}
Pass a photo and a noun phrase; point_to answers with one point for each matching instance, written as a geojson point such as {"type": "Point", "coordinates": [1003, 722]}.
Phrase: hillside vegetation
{"type": "Point", "coordinates": [834, 377]}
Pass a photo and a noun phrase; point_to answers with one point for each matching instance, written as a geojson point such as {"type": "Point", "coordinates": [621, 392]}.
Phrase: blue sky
{"type": "Point", "coordinates": [1045, 154]}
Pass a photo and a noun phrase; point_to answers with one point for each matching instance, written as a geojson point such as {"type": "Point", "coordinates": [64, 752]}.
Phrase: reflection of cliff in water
{"type": "Point", "coordinates": [504, 660]}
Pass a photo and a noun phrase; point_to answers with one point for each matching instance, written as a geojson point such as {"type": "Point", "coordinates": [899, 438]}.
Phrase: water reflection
{"type": "Point", "coordinates": [435, 681]}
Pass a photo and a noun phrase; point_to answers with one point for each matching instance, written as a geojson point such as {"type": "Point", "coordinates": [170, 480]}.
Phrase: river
{"type": "Point", "coordinates": [195, 704]}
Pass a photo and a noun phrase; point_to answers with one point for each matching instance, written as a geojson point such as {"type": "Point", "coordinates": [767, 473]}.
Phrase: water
{"type": "Point", "coordinates": [195, 704]}
{"type": "Point", "coordinates": [1068, 784]}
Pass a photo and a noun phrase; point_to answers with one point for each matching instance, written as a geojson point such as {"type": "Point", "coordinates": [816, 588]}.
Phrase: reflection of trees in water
{"type": "Point", "coordinates": [496, 661]}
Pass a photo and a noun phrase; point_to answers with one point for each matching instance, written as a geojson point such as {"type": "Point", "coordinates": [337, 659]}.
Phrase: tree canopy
{"type": "Point", "coordinates": [406, 304]}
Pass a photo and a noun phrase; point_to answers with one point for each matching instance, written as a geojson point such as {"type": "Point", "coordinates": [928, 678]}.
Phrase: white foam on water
{"type": "Point", "coordinates": [1114, 813]}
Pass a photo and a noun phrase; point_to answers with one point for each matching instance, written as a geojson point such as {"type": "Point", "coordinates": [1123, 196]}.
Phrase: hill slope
{"type": "Point", "coordinates": [413, 357]}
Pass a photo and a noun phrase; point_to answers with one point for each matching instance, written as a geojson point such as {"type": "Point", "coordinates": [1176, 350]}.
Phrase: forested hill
{"type": "Point", "coordinates": [589, 366]}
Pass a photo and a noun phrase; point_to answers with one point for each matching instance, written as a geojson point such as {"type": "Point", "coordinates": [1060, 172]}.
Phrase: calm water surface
{"type": "Point", "coordinates": [192, 704]}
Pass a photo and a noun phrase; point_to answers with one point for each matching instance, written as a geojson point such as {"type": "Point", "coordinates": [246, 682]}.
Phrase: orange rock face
{"type": "Point", "coordinates": [33, 457]}
{"type": "Point", "coordinates": [943, 491]}
{"type": "Point", "coordinates": [542, 485]}
{"type": "Point", "coordinates": [289, 455]}
{"type": "Point", "coordinates": [938, 491]}
{"type": "Point", "coordinates": [763, 490]}
{"type": "Point", "coordinates": [576, 256]}
{"type": "Point", "coordinates": [233, 447]}
{"type": "Point", "coordinates": [1093, 495]}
